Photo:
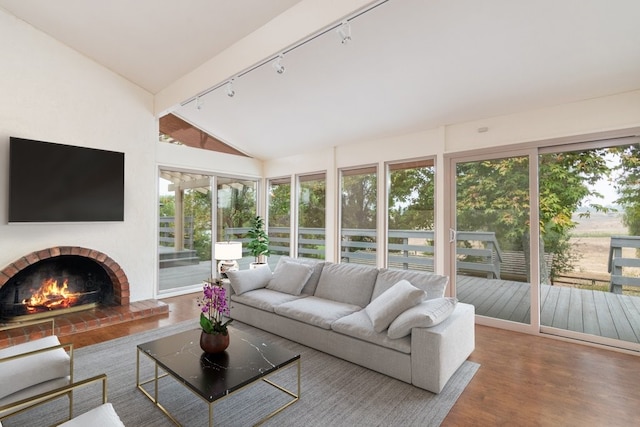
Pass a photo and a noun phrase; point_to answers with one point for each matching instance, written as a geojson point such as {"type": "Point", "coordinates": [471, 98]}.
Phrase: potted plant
{"type": "Point", "coordinates": [259, 244]}
{"type": "Point", "coordinates": [213, 303]}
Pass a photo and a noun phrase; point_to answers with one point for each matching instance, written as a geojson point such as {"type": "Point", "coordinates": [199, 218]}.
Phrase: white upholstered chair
{"type": "Point", "coordinates": [29, 370]}
{"type": "Point", "coordinates": [40, 371]}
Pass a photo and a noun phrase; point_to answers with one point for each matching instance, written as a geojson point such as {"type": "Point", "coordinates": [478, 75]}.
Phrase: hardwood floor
{"type": "Point", "coordinates": [523, 380]}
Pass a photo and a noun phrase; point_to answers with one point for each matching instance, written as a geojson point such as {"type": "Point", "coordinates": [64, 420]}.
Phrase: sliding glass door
{"type": "Point", "coordinates": [557, 228]}
{"type": "Point", "coordinates": [593, 241]}
{"type": "Point", "coordinates": [492, 244]}
{"type": "Point", "coordinates": [188, 228]}
{"type": "Point", "coordinates": [184, 241]}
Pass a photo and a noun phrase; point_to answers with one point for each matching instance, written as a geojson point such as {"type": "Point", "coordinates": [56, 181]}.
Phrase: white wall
{"type": "Point", "coordinates": [51, 93]}
{"type": "Point", "coordinates": [592, 116]}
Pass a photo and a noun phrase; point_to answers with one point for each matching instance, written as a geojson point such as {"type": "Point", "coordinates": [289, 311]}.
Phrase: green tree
{"type": "Point", "coordinates": [311, 210]}
{"type": "Point", "coordinates": [238, 211]}
{"type": "Point", "coordinates": [280, 205]}
{"type": "Point", "coordinates": [359, 201]}
{"type": "Point", "coordinates": [411, 199]}
{"type": "Point", "coordinates": [493, 195]}
{"type": "Point", "coordinates": [167, 205]}
{"type": "Point", "coordinates": [311, 213]}
{"type": "Point", "coordinates": [628, 185]}
{"type": "Point", "coordinates": [197, 207]}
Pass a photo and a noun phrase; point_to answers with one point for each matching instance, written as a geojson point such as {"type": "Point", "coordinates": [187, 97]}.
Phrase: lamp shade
{"type": "Point", "coordinates": [228, 250]}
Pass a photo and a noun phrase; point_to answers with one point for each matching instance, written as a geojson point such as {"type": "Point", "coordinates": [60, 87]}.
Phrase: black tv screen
{"type": "Point", "coordinates": [51, 182]}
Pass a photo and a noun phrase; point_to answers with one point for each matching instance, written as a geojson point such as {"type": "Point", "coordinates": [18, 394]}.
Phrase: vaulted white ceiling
{"type": "Point", "coordinates": [411, 64]}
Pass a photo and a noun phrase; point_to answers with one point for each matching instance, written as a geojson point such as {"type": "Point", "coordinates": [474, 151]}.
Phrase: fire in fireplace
{"type": "Point", "coordinates": [54, 286]}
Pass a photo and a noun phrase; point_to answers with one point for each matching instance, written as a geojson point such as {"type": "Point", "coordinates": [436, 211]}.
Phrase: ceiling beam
{"type": "Point", "coordinates": [191, 136]}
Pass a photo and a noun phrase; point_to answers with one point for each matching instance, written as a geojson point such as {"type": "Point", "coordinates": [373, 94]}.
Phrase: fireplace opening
{"type": "Point", "coordinates": [55, 286]}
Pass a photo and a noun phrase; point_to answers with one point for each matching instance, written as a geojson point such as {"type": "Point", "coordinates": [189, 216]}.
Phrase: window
{"type": "Point", "coordinates": [410, 233]}
{"type": "Point", "coordinates": [236, 207]}
{"type": "Point", "coordinates": [311, 216]}
{"type": "Point", "coordinates": [359, 207]}
{"type": "Point", "coordinates": [279, 220]}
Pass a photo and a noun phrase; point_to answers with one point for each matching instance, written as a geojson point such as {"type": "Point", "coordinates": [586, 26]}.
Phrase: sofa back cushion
{"type": "Point", "coordinates": [289, 277]}
{"type": "Point", "coordinates": [433, 284]}
{"type": "Point", "coordinates": [309, 287]}
{"type": "Point", "coordinates": [347, 283]}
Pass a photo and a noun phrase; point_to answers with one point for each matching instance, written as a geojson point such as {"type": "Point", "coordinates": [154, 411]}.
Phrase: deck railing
{"type": "Point", "coordinates": [479, 252]}
{"type": "Point", "coordinates": [167, 232]}
{"type": "Point", "coordinates": [617, 262]}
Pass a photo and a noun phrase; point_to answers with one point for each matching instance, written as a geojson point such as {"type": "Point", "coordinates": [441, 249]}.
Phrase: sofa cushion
{"type": "Point", "coordinates": [316, 311]}
{"type": "Point", "coordinates": [309, 287]}
{"type": "Point", "coordinates": [247, 280]}
{"type": "Point", "coordinates": [264, 299]}
{"type": "Point", "coordinates": [28, 371]}
{"type": "Point", "coordinates": [290, 277]}
{"type": "Point", "coordinates": [433, 284]}
{"type": "Point", "coordinates": [358, 325]}
{"type": "Point", "coordinates": [424, 315]}
{"type": "Point", "coordinates": [395, 300]}
{"type": "Point", "coordinates": [347, 283]}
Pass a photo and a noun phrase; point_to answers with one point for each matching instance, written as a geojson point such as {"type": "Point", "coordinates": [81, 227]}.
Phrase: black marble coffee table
{"type": "Point", "coordinates": [213, 377]}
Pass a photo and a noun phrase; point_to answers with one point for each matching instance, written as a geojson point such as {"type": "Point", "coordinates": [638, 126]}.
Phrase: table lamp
{"type": "Point", "coordinates": [227, 253]}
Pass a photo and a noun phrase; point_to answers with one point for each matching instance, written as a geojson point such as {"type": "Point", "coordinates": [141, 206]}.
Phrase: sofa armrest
{"type": "Point", "coordinates": [437, 352]}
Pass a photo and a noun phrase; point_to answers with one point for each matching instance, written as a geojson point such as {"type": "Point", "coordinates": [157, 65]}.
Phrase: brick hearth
{"type": "Point", "coordinates": [82, 321]}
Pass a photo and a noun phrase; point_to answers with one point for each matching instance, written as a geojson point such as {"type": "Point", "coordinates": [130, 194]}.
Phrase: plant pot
{"type": "Point", "coordinates": [213, 343]}
{"type": "Point", "coordinates": [257, 265]}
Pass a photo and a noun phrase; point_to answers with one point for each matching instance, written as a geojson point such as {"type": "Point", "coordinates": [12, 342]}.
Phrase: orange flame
{"type": "Point", "coordinates": [51, 296]}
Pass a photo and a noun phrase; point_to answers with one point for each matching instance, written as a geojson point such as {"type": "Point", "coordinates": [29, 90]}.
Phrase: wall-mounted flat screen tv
{"type": "Point", "coordinates": [51, 182]}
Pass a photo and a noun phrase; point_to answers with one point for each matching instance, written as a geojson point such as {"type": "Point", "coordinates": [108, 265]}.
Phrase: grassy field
{"type": "Point", "coordinates": [591, 240]}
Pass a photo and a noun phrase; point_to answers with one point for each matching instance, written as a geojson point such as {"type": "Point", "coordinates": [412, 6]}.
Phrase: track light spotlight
{"type": "Point", "coordinates": [230, 91]}
{"type": "Point", "coordinates": [277, 65]}
{"type": "Point", "coordinates": [344, 31]}
{"type": "Point", "coordinates": [198, 103]}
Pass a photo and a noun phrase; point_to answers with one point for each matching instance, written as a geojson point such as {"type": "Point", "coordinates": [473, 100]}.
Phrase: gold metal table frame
{"type": "Point", "coordinates": [158, 375]}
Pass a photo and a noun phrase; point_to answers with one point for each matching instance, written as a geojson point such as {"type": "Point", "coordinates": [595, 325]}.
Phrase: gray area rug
{"type": "Point", "coordinates": [334, 392]}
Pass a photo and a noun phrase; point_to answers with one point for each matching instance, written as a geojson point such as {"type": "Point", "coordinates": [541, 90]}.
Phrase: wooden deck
{"type": "Point", "coordinates": [592, 312]}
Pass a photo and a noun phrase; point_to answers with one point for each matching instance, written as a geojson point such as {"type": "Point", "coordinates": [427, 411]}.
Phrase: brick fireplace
{"type": "Point", "coordinates": [118, 310]}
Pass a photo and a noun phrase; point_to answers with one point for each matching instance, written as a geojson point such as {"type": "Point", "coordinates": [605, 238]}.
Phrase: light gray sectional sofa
{"type": "Point", "coordinates": [396, 322]}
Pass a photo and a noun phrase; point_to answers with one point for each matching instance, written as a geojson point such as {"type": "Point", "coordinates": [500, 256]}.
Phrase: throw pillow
{"type": "Point", "coordinates": [309, 287]}
{"type": "Point", "coordinates": [433, 284]}
{"type": "Point", "coordinates": [247, 280]}
{"type": "Point", "coordinates": [424, 315]}
{"type": "Point", "coordinates": [290, 277]}
{"type": "Point", "coordinates": [398, 298]}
